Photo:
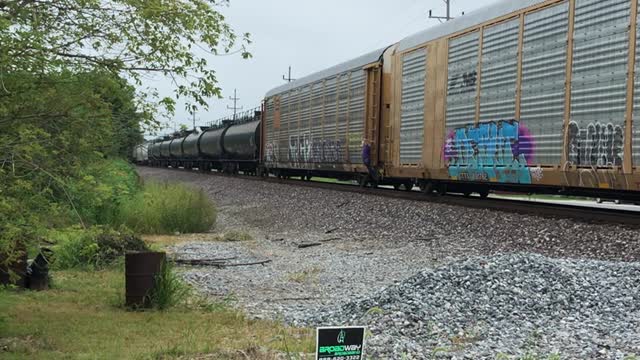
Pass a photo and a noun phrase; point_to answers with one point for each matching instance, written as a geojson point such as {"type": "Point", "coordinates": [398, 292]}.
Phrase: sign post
{"type": "Point", "coordinates": [340, 343]}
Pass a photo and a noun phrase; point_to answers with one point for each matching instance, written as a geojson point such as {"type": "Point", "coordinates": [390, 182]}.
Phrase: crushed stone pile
{"type": "Point", "coordinates": [508, 306]}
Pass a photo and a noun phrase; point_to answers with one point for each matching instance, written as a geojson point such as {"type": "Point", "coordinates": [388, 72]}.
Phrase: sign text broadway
{"type": "Point", "coordinates": [340, 343]}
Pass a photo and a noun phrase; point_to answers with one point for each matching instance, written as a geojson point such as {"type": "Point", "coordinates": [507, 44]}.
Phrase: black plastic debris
{"type": "Point", "coordinates": [38, 271]}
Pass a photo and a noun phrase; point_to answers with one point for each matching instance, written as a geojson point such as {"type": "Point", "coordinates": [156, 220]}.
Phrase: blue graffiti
{"type": "Point", "coordinates": [492, 151]}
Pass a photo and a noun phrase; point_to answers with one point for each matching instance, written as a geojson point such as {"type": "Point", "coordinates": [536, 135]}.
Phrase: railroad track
{"type": "Point", "coordinates": [550, 210]}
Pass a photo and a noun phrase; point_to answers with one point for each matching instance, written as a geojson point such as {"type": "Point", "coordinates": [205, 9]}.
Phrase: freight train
{"type": "Point", "coordinates": [534, 96]}
{"type": "Point", "coordinates": [231, 146]}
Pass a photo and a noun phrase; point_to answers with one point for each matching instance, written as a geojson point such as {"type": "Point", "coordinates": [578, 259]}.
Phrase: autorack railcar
{"type": "Point", "coordinates": [532, 96]}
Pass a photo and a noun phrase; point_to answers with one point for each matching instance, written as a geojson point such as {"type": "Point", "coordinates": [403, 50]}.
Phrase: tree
{"type": "Point", "coordinates": [126, 37]}
{"type": "Point", "coordinates": [66, 104]}
{"type": "Point", "coordinates": [60, 125]}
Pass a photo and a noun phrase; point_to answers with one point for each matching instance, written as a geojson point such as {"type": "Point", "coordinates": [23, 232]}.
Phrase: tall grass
{"type": "Point", "coordinates": [168, 208]}
{"type": "Point", "coordinates": [96, 247]}
{"type": "Point", "coordinates": [169, 290]}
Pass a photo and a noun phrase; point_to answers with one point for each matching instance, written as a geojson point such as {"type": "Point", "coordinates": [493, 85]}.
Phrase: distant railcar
{"type": "Point", "coordinates": [241, 144]}
{"type": "Point", "coordinates": [211, 150]}
{"type": "Point", "coordinates": [228, 146]}
{"type": "Point", "coordinates": [191, 150]}
{"type": "Point", "coordinates": [140, 154]}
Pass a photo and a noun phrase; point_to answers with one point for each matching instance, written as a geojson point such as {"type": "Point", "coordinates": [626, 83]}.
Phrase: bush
{"type": "Point", "coordinates": [100, 189]}
{"type": "Point", "coordinates": [167, 209]}
{"type": "Point", "coordinates": [93, 248]}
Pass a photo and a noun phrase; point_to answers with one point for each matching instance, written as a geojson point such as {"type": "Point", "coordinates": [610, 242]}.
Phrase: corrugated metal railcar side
{"type": "Point", "coordinates": [317, 124]}
{"type": "Point", "coordinates": [534, 94]}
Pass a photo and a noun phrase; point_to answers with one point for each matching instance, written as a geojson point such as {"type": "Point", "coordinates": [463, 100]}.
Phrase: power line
{"type": "Point", "coordinates": [288, 78]}
{"type": "Point", "coordinates": [447, 17]}
{"type": "Point", "coordinates": [235, 107]}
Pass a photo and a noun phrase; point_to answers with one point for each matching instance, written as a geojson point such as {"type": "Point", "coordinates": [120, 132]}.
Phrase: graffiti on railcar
{"type": "Point", "coordinates": [299, 148]}
{"type": "Point", "coordinates": [332, 151]}
{"type": "Point", "coordinates": [303, 150]}
{"type": "Point", "coordinates": [315, 155]}
{"type": "Point", "coordinates": [294, 149]}
{"type": "Point", "coordinates": [271, 152]}
{"type": "Point", "coordinates": [463, 83]}
{"type": "Point", "coordinates": [595, 178]}
{"type": "Point", "coordinates": [596, 145]}
{"type": "Point", "coordinates": [327, 151]}
{"type": "Point", "coordinates": [537, 173]}
{"type": "Point", "coordinates": [493, 151]}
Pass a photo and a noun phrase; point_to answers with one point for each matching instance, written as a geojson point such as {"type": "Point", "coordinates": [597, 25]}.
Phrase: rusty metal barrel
{"type": "Point", "coordinates": [141, 270]}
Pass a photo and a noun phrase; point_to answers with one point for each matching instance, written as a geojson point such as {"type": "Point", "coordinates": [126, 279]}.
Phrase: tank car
{"type": "Point", "coordinates": [229, 146]}
{"type": "Point", "coordinates": [191, 150]}
{"type": "Point", "coordinates": [241, 147]}
{"type": "Point", "coordinates": [211, 150]}
{"type": "Point", "coordinates": [140, 154]}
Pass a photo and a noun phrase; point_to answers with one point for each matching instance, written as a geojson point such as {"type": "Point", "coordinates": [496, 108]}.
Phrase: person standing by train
{"type": "Point", "coordinates": [366, 160]}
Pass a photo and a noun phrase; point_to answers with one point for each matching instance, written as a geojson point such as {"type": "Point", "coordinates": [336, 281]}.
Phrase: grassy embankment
{"type": "Point", "coordinates": [83, 316]}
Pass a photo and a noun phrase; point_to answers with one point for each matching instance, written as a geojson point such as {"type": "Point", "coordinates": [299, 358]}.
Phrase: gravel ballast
{"type": "Point", "coordinates": [430, 280]}
{"type": "Point", "coordinates": [514, 305]}
{"type": "Point", "coordinates": [441, 230]}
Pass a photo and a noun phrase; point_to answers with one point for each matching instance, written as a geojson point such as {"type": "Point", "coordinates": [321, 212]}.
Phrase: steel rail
{"type": "Point", "coordinates": [585, 214]}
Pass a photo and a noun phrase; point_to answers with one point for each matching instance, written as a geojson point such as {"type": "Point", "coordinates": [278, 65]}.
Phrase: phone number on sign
{"type": "Point", "coordinates": [355, 357]}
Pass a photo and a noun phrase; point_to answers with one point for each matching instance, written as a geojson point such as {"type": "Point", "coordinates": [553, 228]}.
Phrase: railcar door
{"type": "Point", "coordinates": [372, 109]}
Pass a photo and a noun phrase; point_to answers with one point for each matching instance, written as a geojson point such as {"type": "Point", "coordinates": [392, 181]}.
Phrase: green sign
{"type": "Point", "coordinates": [340, 343]}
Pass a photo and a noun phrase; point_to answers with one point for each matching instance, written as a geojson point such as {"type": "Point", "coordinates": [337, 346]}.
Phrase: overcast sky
{"type": "Point", "coordinates": [309, 36]}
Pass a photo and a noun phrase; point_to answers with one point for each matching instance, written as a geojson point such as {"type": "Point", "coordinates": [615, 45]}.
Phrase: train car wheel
{"type": "Point", "coordinates": [426, 187]}
{"type": "Point", "coordinates": [362, 180]}
{"type": "Point", "coordinates": [408, 186]}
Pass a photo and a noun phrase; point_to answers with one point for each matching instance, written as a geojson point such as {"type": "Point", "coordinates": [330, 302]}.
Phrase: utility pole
{"type": "Point", "coordinates": [194, 121]}
{"type": "Point", "coordinates": [235, 107]}
{"type": "Point", "coordinates": [288, 79]}
{"type": "Point", "coordinates": [440, 18]}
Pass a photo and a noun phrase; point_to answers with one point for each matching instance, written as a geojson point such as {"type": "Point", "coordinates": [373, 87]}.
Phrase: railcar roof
{"type": "Point", "coordinates": [458, 24]}
{"type": "Point", "coordinates": [469, 20]}
{"type": "Point", "coordinates": [332, 71]}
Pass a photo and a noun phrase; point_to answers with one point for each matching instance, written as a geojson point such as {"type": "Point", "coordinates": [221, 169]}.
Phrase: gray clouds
{"type": "Point", "coordinates": [309, 36]}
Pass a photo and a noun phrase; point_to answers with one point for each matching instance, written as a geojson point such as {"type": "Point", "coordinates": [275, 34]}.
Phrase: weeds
{"type": "Point", "coordinates": [235, 235]}
{"type": "Point", "coordinates": [167, 209]}
{"type": "Point", "coordinates": [93, 248]}
{"type": "Point", "coordinates": [214, 306]}
{"type": "Point", "coordinates": [304, 275]}
{"type": "Point", "coordinates": [169, 290]}
{"type": "Point", "coordinates": [375, 311]}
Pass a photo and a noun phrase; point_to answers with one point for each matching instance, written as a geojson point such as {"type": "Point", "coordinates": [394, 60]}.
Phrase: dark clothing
{"type": "Point", "coordinates": [366, 159]}
{"type": "Point", "coordinates": [366, 154]}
